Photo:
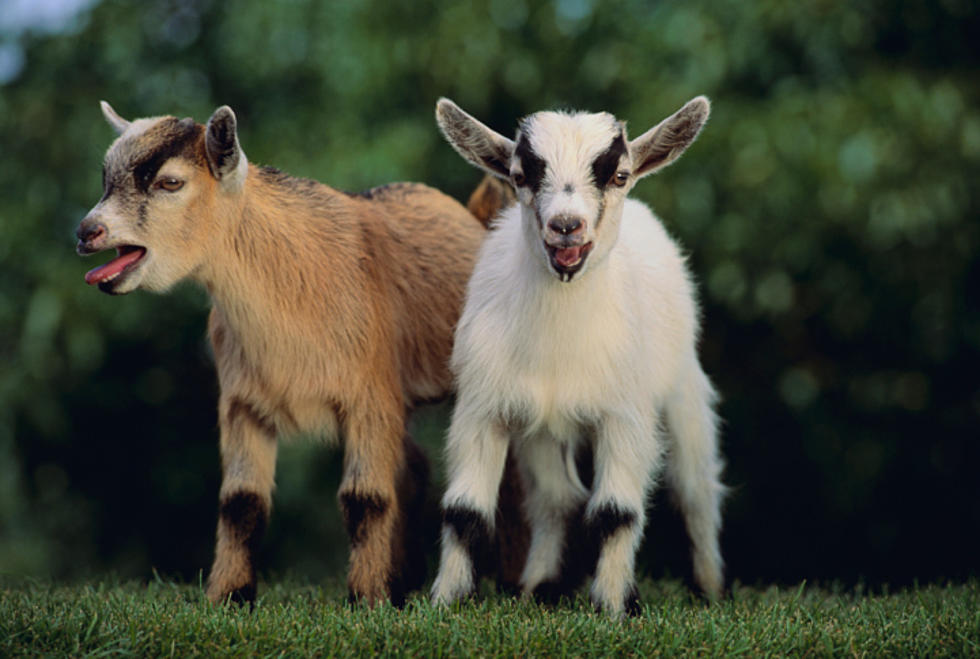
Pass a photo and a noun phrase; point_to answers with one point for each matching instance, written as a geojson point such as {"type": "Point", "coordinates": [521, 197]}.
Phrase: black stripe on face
{"type": "Point", "coordinates": [531, 164]}
{"type": "Point", "coordinates": [178, 138]}
{"type": "Point", "coordinates": [606, 163]}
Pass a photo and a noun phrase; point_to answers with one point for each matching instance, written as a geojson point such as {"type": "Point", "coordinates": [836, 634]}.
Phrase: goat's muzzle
{"type": "Point", "coordinates": [92, 236]}
{"type": "Point", "coordinates": [566, 225]}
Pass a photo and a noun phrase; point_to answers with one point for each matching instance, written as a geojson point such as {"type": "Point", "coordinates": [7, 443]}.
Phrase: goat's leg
{"type": "Point", "coordinates": [411, 539]}
{"type": "Point", "coordinates": [476, 452]}
{"type": "Point", "coordinates": [374, 460]}
{"type": "Point", "coordinates": [627, 454]}
{"type": "Point", "coordinates": [694, 474]}
{"type": "Point", "coordinates": [248, 458]}
{"type": "Point", "coordinates": [554, 504]}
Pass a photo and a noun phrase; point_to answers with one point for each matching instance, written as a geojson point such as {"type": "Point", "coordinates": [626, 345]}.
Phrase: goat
{"type": "Point", "coordinates": [578, 335]}
{"type": "Point", "coordinates": [332, 313]}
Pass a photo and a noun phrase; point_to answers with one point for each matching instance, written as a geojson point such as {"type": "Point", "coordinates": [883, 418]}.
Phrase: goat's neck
{"type": "Point", "coordinates": [251, 272]}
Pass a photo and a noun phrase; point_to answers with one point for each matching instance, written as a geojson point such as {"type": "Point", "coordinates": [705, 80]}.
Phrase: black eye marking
{"type": "Point", "coordinates": [606, 163]}
{"type": "Point", "coordinates": [178, 139]}
{"type": "Point", "coordinates": [531, 163]}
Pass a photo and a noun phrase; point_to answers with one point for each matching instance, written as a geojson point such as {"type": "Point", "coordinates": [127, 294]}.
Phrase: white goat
{"type": "Point", "coordinates": [579, 331]}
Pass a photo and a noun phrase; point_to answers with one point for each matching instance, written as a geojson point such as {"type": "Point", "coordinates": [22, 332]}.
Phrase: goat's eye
{"type": "Point", "coordinates": [620, 178]}
{"type": "Point", "coordinates": [170, 184]}
{"type": "Point", "coordinates": [518, 178]}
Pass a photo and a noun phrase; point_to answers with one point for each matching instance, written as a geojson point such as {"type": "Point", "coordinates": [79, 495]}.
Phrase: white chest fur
{"type": "Point", "coordinates": [553, 356]}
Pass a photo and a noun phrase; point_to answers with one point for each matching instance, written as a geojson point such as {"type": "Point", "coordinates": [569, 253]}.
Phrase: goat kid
{"type": "Point", "coordinates": [578, 335]}
{"type": "Point", "coordinates": [332, 314]}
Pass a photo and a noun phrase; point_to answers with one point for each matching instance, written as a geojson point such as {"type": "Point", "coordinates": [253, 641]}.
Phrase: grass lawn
{"type": "Point", "coordinates": [164, 618]}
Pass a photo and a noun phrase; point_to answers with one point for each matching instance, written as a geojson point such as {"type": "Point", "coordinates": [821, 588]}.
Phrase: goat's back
{"type": "Point", "coordinates": [351, 292]}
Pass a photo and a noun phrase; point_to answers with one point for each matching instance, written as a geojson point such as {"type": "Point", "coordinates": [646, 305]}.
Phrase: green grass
{"type": "Point", "coordinates": [163, 618]}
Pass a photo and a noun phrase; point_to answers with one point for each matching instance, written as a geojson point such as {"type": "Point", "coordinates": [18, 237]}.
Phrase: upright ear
{"type": "Point", "coordinates": [225, 156]}
{"type": "Point", "coordinates": [118, 123]}
{"type": "Point", "coordinates": [665, 142]}
{"type": "Point", "coordinates": [485, 148]}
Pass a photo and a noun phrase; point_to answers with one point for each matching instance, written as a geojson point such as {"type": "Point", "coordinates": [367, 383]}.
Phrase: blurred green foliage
{"type": "Point", "coordinates": [829, 208]}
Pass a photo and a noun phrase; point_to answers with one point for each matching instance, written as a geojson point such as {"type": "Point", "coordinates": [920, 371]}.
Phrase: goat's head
{"type": "Point", "coordinates": [160, 179]}
{"type": "Point", "coordinates": [572, 172]}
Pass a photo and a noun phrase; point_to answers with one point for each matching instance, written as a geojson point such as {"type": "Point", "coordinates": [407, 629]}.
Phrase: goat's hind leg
{"type": "Point", "coordinates": [476, 452]}
{"type": "Point", "coordinates": [412, 534]}
{"type": "Point", "coordinates": [248, 457]}
{"type": "Point", "coordinates": [694, 474]}
{"type": "Point", "coordinates": [554, 507]}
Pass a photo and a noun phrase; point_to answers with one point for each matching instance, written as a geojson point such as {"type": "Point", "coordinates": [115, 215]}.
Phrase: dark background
{"type": "Point", "coordinates": [830, 211]}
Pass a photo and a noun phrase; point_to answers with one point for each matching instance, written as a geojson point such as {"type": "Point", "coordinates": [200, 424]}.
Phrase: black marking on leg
{"type": "Point", "coordinates": [471, 527]}
{"type": "Point", "coordinates": [245, 515]}
{"type": "Point", "coordinates": [360, 512]}
{"type": "Point", "coordinates": [609, 518]}
{"type": "Point", "coordinates": [473, 533]}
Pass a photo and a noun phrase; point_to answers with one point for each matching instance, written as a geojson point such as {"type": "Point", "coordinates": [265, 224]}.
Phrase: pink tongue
{"type": "Point", "coordinates": [568, 256]}
{"type": "Point", "coordinates": [114, 267]}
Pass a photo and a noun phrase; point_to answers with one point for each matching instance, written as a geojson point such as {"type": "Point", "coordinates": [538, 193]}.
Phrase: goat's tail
{"type": "Point", "coordinates": [489, 198]}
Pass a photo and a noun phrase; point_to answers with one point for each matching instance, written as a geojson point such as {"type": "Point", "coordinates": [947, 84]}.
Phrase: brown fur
{"type": "Point", "coordinates": [490, 197]}
{"type": "Point", "coordinates": [332, 314]}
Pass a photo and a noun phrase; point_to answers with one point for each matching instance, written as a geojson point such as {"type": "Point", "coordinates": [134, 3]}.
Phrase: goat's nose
{"type": "Point", "coordinates": [90, 233]}
{"type": "Point", "coordinates": [565, 225]}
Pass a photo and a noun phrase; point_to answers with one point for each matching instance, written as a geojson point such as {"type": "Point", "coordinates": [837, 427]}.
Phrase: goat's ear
{"type": "Point", "coordinates": [225, 156]}
{"type": "Point", "coordinates": [485, 148]}
{"type": "Point", "coordinates": [665, 142]}
{"type": "Point", "coordinates": [118, 123]}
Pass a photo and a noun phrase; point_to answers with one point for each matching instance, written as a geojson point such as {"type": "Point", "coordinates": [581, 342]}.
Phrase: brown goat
{"type": "Point", "coordinates": [333, 313]}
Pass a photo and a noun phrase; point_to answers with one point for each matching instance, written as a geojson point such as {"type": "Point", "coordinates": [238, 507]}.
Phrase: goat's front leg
{"type": "Point", "coordinates": [248, 458]}
{"type": "Point", "coordinates": [374, 460]}
{"type": "Point", "coordinates": [628, 453]}
{"type": "Point", "coordinates": [476, 452]}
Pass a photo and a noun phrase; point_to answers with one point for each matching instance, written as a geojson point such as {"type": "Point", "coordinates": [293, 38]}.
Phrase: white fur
{"type": "Point", "coordinates": [607, 356]}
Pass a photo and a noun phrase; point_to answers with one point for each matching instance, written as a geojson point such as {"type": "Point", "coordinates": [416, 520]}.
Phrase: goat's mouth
{"type": "Point", "coordinates": [566, 261]}
{"type": "Point", "coordinates": [108, 276]}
